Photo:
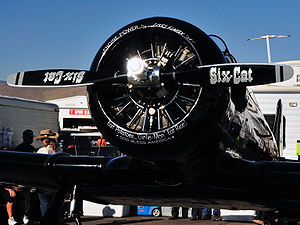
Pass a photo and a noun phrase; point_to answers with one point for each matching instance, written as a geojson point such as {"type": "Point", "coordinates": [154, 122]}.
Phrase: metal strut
{"type": "Point", "coordinates": [74, 206]}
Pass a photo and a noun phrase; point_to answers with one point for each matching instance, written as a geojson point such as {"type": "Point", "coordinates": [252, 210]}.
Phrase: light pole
{"type": "Point", "coordinates": [268, 37]}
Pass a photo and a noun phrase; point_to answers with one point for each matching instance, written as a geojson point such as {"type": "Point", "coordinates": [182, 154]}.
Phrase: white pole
{"type": "Point", "coordinates": [268, 48]}
{"type": "Point", "coordinates": [268, 37]}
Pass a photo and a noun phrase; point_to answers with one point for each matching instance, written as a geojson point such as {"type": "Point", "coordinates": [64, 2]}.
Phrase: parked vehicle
{"type": "Point", "coordinates": [87, 143]}
{"type": "Point", "coordinates": [149, 210]}
{"type": "Point", "coordinates": [19, 114]}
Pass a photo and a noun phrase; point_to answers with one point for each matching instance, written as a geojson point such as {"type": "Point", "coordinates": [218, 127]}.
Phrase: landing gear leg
{"type": "Point", "coordinates": [74, 211]}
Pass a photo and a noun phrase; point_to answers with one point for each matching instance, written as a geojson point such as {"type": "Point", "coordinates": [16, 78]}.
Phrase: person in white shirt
{"type": "Point", "coordinates": [55, 147]}
{"type": "Point", "coordinates": [47, 148]}
{"type": "Point", "coordinates": [46, 136]}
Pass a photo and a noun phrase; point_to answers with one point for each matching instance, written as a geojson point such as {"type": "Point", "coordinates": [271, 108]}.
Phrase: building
{"type": "Point", "coordinates": [74, 115]}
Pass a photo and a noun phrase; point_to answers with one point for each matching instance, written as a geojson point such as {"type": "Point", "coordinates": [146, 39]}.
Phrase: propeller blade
{"type": "Point", "coordinates": [226, 75]}
{"type": "Point", "coordinates": [61, 78]}
{"type": "Point", "coordinates": [234, 74]}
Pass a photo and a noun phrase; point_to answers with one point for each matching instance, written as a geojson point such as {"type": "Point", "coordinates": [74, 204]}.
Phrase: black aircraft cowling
{"type": "Point", "coordinates": [184, 116]}
{"type": "Point", "coordinates": [168, 120]}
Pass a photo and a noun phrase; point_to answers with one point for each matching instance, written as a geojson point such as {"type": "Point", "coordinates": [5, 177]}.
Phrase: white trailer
{"type": "Point", "coordinates": [17, 115]}
{"type": "Point", "coordinates": [289, 92]}
{"type": "Point", "coordinates": [74, 114]}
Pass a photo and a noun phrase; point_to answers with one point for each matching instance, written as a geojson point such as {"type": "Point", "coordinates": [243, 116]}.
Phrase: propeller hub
{"type": "Point", "coordinates": [140, 74]}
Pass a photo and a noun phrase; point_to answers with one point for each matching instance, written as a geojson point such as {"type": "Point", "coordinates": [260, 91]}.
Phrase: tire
{"type": "Point", "coordinates": [156, 212]}
{"type": "Point", "coordinates": [156, 123]}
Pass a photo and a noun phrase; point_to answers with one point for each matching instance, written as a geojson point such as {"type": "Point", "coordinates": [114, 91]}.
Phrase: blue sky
{"type": "Point", "coordinates": [67, 34]}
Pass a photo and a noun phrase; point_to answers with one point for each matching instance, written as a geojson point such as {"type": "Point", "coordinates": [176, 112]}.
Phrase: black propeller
{"type": "Point", "coordinates": [237, 74]}
{"type": "Point", "coordinates": [60, 78]}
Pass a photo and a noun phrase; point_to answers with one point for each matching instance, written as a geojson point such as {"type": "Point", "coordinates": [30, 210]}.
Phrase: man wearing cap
{"type": "Point", "coordinates": [23, 193]}
{"type": "Point", "coordinates": [26, 146]}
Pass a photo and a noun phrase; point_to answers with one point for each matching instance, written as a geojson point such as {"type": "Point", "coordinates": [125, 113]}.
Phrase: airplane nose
{"type": "Point", "coordinates": [151, 110]}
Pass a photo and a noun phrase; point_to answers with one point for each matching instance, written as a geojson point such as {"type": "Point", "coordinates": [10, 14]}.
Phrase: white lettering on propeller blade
{"type": "Point", "coordinates": [225, 76]}
{"type": "Point", "coordinates": [57, 77]}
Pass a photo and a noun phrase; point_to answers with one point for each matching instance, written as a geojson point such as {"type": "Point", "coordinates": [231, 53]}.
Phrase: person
{"type": "Point", "coordinates": [216, 214]}
{"type": "Point", "coordinates": [175, 213]}
{"type": "Point", "coordinates": [259, 218]}
{"type": "Point", "coordinates": [9, 195]}
{"type": "Point", "coordinates": [26, 146]}
{"type": "Point", "coordinates": [45, 137]}
{"type": "Point", "coordinates": [196, 213]}
{"type": "Point", "coordinates": [206, 214]}
{"type": "Point", "coordinates": [24, 192]}
{"type": "Point", "coordinates": [55, 147]}
{"type": "Point", "coordinates": [101, 142]}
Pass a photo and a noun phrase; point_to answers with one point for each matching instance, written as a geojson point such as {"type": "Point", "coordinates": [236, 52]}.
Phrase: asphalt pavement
{"type": "Point", "coordinates": [149, 220]}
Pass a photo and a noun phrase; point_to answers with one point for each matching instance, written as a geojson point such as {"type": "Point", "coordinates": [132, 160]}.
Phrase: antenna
{"type": "Point", "coordinates": [268, 37]}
